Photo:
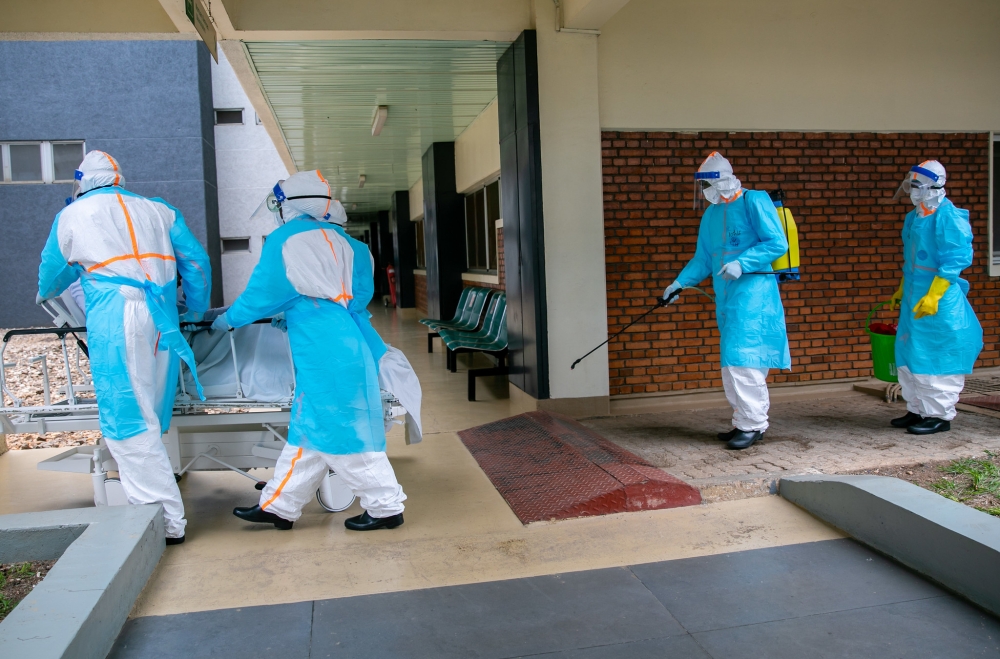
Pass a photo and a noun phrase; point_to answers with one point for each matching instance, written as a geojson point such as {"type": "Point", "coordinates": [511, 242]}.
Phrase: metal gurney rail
{"type": "Point", "coordinates": [228, 432]}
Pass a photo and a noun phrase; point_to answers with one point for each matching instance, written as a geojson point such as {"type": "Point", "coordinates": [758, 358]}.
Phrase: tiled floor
{"type": "Point", "coordinates": [822, 599]}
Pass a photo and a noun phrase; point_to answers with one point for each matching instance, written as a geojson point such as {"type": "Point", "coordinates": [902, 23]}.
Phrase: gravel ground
{"type": "Point", "coordinates": [17, 580]}
{"type": "Point", "coordinates": [24, 380]}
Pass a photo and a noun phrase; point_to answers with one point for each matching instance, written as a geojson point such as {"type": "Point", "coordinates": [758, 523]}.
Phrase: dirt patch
{"type": "Point", "coordinates": [17, 580]}
{"type": "Point", "coordinates": [24, 380]}
{"type": "Point", "coordinates": [974, 481]}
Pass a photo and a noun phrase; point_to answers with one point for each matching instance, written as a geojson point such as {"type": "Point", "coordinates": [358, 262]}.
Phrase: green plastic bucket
{"type": "Point", "coordinates": [883, 351]}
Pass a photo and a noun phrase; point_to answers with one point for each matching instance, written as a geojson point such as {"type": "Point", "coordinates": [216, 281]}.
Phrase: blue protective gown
{"type": "Point", "coordinates": [83, 237]}
{"type": "Point", "coordinates": [949, 342]}
{"type": "Point", "coordinates": [749, 311]}
{"type": "Point", "coordinates": [335, 350]}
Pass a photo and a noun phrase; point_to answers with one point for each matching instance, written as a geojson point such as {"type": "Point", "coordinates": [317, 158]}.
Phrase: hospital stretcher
{"type": "Point", "coordinates": [231, 430]}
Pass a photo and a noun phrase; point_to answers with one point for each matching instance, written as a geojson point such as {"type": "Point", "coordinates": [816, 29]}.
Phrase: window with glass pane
{"type": "Point", "coordinates": [65, 159]}
{"type": "Point", "coordinates": [421, 261]}
{"type": "Point", "coordinates": [482, 210]}
{"type": "Point", "coordinates": [25, 162]}
{"type": "Point", "coordinates": [492, 215]}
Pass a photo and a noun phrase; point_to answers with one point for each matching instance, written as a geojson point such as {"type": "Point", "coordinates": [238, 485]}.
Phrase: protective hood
{"type": "Point", "coordinates": [97, 170]}
{"type": "Point", "coordinates": [716, 180]}
{"type": "Point", "coordinates": [924, 184]}
{"type": "Point", "coordinates": [305, 193]}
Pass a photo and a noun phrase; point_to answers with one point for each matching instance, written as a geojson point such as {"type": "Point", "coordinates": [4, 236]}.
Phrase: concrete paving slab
{"type": "Point", "coordinates": [846, 433]}
{"type": "Point", "coordinates": [951, 543]}
{"type": "Point", "coordinates": [279, 631]}
{"type": "Point", "coordinates": [936, 628]}
{"type": "Point", "coordinates": [795, 580]}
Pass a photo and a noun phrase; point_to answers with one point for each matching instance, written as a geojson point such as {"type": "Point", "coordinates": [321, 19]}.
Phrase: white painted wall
{"type": "Point", "coordinates": [248, 166]}
{"type": "Point", "coordinates": [821, 65]}
{"type": "Point", "coordinates": [573, 208]}
{"type": "Point", "coordinates": [477, 151]}
{"type": "Point", "coordinates": [417, 200]}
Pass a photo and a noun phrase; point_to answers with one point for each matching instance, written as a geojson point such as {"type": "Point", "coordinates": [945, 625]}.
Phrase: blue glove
{"type": "Point", "coordinates": [191, 317]}
{"type": "Point", "coordinates": [221, 324]}
{"type": "Point", "coordinates": [279, 322]}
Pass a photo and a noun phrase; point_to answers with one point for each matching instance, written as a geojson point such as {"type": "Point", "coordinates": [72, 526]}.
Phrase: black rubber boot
{"type": "Point", "coordinates": [929, 426]}
{"type": "Point", "coordinates": [906, 421]}
{"type": "Point", "coordinates": [726, 436]}
{"type": "Point", "coordinates": [744, 439]}
{"type": "Point", "coordinates": [255, 514]}
{"type": "Point", "coordinates": [365, 522]}
{"type": "Point", "coordinates": [175, 541]}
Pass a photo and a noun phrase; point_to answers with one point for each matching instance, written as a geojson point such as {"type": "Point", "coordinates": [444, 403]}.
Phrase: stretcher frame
{"type": "Point", "coordinates": [203, 435]}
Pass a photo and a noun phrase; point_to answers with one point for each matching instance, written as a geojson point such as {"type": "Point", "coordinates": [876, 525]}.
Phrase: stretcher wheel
{"type": "Point", "coordinates": [333, 494]}
{"type": "Point", "coordinates": [115, 491]}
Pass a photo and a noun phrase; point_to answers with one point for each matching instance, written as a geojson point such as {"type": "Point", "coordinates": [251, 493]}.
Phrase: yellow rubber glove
{"type": "Point", "coordinates": [897, 297]}
{"type": "Point", "coordinates": [928, 304]}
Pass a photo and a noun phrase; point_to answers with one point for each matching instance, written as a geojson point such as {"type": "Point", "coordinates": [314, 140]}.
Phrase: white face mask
{"type": "Point", "coordinates": [712, 194]}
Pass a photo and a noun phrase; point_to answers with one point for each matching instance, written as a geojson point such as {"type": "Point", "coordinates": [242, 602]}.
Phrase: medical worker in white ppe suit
{"type": "Point", "coordinates": [740, 235]}
{"type": "Point", "coordinates": [127, 252]}
{"type": "Point", "coordinates": [321, 280]}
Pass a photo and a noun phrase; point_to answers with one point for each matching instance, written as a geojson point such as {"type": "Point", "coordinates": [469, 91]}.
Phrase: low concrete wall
{"type": "Point", "coordinates": [957, 546]}
{"type": "Point", "coordinates": [105, 556]}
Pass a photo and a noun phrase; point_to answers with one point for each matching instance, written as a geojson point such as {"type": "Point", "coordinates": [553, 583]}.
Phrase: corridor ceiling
{"type": "Point", "coordinates": [324, 93]}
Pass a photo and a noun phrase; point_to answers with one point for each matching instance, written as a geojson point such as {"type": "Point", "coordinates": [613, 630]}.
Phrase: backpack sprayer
{"type": "Point", "coordinates": [784, 268]}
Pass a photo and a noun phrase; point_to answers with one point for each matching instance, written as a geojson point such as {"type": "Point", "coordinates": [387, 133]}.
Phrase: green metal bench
{"type": "Point", "coordinates": [468, 314]}
{"type": "Point", "coordinates": [490, 339]}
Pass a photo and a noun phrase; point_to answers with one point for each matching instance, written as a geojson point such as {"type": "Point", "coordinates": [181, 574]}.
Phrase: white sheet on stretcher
{"type": "Point", "coordinates": [266, 369]}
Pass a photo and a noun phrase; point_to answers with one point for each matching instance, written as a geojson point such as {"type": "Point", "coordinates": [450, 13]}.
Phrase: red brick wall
{"type": "Point", "coordinates": [838, 187]}
{"type": "Point", "coordinates": [420, 293]}
{"type": "Point", "coordinates": [501, 286]}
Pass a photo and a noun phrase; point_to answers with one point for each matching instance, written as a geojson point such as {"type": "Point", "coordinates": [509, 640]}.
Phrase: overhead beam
{"type": "Point", "coordinates": [589, 14]}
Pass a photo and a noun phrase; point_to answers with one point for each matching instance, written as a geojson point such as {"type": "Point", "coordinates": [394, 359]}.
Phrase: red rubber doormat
{"type": "Point", "coordinates": [986, 402]}
{"type": "Point", "coordinates": [547, 467]}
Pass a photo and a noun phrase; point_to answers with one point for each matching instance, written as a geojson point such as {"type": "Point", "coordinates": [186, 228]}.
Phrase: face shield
{"type": "Point", "coordinates": [919, 184]}
{"type": "Point", "coordinates": [703, 188]}
{"type": "Point", "coordinates": [77, 189]}
{"type": "Point", "coordinates": [270, 208]}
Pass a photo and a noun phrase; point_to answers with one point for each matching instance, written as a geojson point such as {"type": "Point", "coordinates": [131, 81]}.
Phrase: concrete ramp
{"type": "Point", "coordinates": [547, 467]}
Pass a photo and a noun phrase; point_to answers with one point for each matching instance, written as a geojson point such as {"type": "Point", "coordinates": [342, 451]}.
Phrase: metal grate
{"type": "Point", "coordinates": [550, 467]}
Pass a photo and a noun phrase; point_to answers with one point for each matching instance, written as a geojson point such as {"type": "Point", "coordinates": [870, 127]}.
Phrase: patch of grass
{"type": "Point", "coordinates": [974, 482]}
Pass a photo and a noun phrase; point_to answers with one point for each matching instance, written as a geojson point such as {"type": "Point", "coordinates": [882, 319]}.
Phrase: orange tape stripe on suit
{"type": "Point", "coordinates": [284, 481]}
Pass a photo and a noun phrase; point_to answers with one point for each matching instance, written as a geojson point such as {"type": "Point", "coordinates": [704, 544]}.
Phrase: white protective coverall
{"type": "Point", "coordinates": [127, 251]}
{"type": "Point", "coordinates": [322, 280]}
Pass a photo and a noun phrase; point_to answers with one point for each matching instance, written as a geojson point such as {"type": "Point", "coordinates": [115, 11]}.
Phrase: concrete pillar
{"type": "Point", "coordinates": [572, 199]}
{"type": "Point", "coordinates": [444, 231]}
{"type": "Point", "coordinates": [404, 236]}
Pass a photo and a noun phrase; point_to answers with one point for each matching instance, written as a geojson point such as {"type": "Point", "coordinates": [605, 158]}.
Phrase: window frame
{"type": "Point", "coordinates": [994, 261]}
{"type": "Point", "coordinates": [46, 158]}
{"type": "Point", "coordinates": [490, 238]}
{"type": "Point", "coordinates": [242, 111]}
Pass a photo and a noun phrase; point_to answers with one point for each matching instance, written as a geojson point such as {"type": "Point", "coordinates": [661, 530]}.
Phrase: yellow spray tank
{"type": "Point", "coordinates": [786, 266]}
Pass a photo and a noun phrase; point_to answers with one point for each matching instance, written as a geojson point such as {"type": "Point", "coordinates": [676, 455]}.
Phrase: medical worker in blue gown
{"type": "Point", "coordinates": [740, 233]}
{"type": "Point", "coordinates": [127, 252]}
{"type": "Point", "coordinates": [939, 337]}
{"type": "Point", "coordinates": [322, 280]}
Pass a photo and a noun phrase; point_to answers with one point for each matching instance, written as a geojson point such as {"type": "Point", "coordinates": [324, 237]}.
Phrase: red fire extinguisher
{"type": "Point", "coordinates": [390, 274]}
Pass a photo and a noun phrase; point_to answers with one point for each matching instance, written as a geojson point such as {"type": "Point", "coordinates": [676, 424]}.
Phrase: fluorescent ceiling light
{"type": "Point", "coordinates": [361, 181]}
{"type": "Point", "coordinates": [378, 119]}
